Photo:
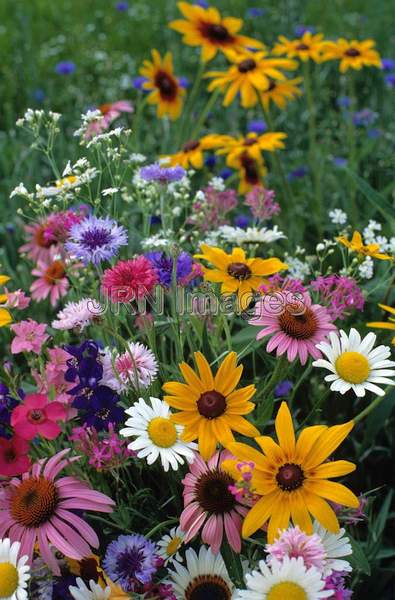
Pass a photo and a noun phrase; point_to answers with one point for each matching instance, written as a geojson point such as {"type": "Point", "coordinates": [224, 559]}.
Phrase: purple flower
{"type": "Point", "coordinates": [100, 408]}
{"type": "Point", "coordinates": [39, 95]}
{"type": "Point", "coordinates": [388, 64]}
{"type": "Point", "coordinates": [7, 404]}
{"type": "Point", "coordinates": [298, 173]}
{"type": "Point", "coordinates": [130, 561]}
{"type": "Point", "coordinates": [65, 67]}
{"type": "Point", "coordinates": [163, 265]}
{"type": "Point", "coordinates": [339, 161]}
{"type": "Point", "coordinates": [137, 83]}
{"type": "Point", "coordinates": [390, 80]}
{"type": "Point", "coordinates": [225, 173]}
{"type": "Point", "coordinates": [183, 82]}
{"type": "Point", "coordinates": [374, 133]}
{"type": "Point", "coordinates": [257, 126]}
{"type": "Point", "coordinates": [364, 117]}
{"type": "Point", "coordinates": [339, 294]}
{"type": "Point", "coordinates": [283, 388]}
{"type": "Point", "coordinates": [242, 221]}
{"type": "Point", "coordinates": [210, 161]}
{"type": "Point", "coordinates": [94, 239]}
{"type": "Point", "coordinates": [300, 30]}
{"type": "Point", "coordinates": [163, 175]}
{"type": "Point", "coordinates": [155, 220]}
{"type": "Point", "coordinates": [202, 3]}
{"type": "Point", "coordinates": [254, 12]}
{"type": "Point", "coordinates": [343, 102]}
{"type": "Point", "coordinates": [261, 202]}
{"type": "Point", "coordinates": [336, 582]}
{"type": "Point", "coordinates": [122, 6]}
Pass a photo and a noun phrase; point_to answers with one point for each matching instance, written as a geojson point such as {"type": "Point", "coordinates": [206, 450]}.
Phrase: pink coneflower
{"type": "Point", "coordinates": [16, 299]}
{"type": "Point", "coordinates": [52, 281]}
{"type": "Point", "coordinates": [296, 325]}
{"type": "Point", "coordinates": [209, 504]}
{"type": "Point", "coordinates": [39, 246]}
{"type": "Point", "coordinates": [110, 112]}
{"type": "Point", "coordinates": [39, 508]}
{"type": "Point", "coordinates": [78, 315]}
{"type": "Point", "coordinates": [129, 280]}
{"type": "Point", "coordinates": [29, 336]}
{"type": "Point", "coordinates": [37, 415]}
{"type": "Point", "coordinates": [14, 458]}
{"type": "Point", "coordinates": [293, 542]}
{"type": "Point", "coordinates": [136, 367]}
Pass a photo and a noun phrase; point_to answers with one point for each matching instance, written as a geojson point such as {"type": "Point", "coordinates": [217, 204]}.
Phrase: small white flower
{"type": "Point", "coordinates": [170, 544]}
{"type": "Point", "coordinates": [297, 268]}
{"type": "Point", "coordinates": [217, 183]}
{"type": "Point", "coordinates": [338, 216]}
{"type": "Point", "coordinates": [137, 159]}
{"type": "Point", "coordinates": [109, 191]}
{"type": "Point", "coordinates": [78, 315]}
{"type": "Point", "coordinates": [336, 545]}
{"type": "Point", "coordinates": [366, 269]}
{"type": "Point", "coordinates": [355, 364]}
{"type": "Point", "coordinates": [156, 434]}
{"type": "Point", "coordinates": [20, 190]}
{"type": "Point", "coordinates": [239, 236]}
{"type": "Point", "coordinates": [94, 592]}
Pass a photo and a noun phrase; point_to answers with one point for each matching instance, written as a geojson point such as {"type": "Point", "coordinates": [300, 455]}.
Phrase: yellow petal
{"type": "Point", "coordinates": [249, 454]}
{"type": "Point", "coordinates": [280, 517]}
{"type": "Point", "coordinates": [191, 378]}
{"type": "Point", "coordinates": [322, 512]}
{"type": "Point", "coordinates": [270, 448]}
{"type": "Point", "coordinates": [285, 430]}
{"type": "Point", "coordinates": [327, 443]}
{"type": "Point", "coordinates": [335, 468]}
{"type": "Point", "coordinates": [333, 491]}
{"type": "Point", "coordinates": [299, 512]}
{"type": "Point", "coordinates": [259, 514]}
{"type": "Point", "coordinates": [307, 439]}
{"type": "Point", "coordinates": [4, 279]}
{"type": "Point", "coordinates": [241, 425]}
{"type": "Point", "coordinates": [5, 317]}
{"type": "Point", "coordinates": [205, 373]}
{"type": "Point", "coordinates": [207, 441]}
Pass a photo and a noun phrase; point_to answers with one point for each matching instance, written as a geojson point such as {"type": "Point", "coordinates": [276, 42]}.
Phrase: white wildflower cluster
{"type": "Point", "coordinates": [92, 116]}
{"type": "Point", "coordinates": [338, 216]}
{"type": "Point", "coordinates": [217, 183]}
{"type": "Point", "coordinates": [107, 137]}
{"type": "Point", "coordinates": [326, 246]}
{"type": "Point", "coordinates": [34, 119]}
{"type": "Point", "coordinates": [73, 177]}
{"type": "Point", "coordinates": [110, 191]}
{"type": "Point", "coordinates": [366, 269]}
{"type": "Point", "coordinates": [180, 190]}
{"type": "Point", "coordinates": [159, 241]}
{"type": "Point", "coordinates": [251, 235]}
{"type": "Point", "coordinates": [20, 190]}
{"type": "Point", "coordinates": [370, 236]}
{"type": "Point", "coordinates": [136, 159]}
{"type": "Point", "coordinates": [298, 268]}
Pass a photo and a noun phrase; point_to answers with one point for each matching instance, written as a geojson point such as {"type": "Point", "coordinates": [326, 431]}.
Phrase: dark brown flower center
{"type": "Point", "coordinates": [302, 47]}
{"type": "Point", "coordinates": [212, 492]}
{"type": "Point", "coordinates": [211, 404]}
{"type": "Point", "coordinates": [208, 587]}
{"type": "Point", "coordinates": [239, 271]}
{"type": "Point", "coordinates": [352, 52]}
{"type": "Point", "coordinates": [34, 502]}
{"type": "Point", "coordinates": [36, 416]}
{"type": "Point", "coordinates": [249, 165]}
{"type": "Point", "coordinates": [54, 272]}
{"type": "Point", "coordinates": [290, 477]}
{"type": "Point", "coordinates": [299, 326]}
{"type": "Point", "coordinates": [88, 569]}
{"type": "Point", "coordinates": [246, 65]}
{"type": "Point", "coordinates": [166, 84]}
{"type": "Point", "coordinates": [191, 145]}
{"type": "Point", "coordinates": [217, 34]}
{"type": "Point", "coordinates": [104, 108]}
{"type": "Point", "coordinates": [272, 86]}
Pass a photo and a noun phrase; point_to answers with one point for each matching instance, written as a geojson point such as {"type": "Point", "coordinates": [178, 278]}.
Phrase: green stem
{"type": "Point", "coordinates": [190, 103]}
{"type": "Point", "coordinates": [203, 115]}
{"type": "Point", "coordinates": [139, 112]}
{"type": "Point", "coordinates": [353, 163]}
{"type": "Point", "coordinates": [277, 375]}
{"type": "Point", "coordinates": [314, 158]}
{"type": "Point", "coordinates": [374, 404]}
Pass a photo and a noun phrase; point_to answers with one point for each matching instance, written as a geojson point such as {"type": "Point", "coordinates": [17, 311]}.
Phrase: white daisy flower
{"type": "Point", "coordinates": [288, 579]}
{"type": "Point", "coordinates": [170, 544]}
{"type": "Point", "coordinates": [94, 592]}
{"type": "Point", "coordinates": [14, 572]}
{"type": "Point", "coordinates": [336, 545]}
{"type": "Point", "coordinates": [156, 434]}
{"type": "Point", "coordinates": [205, 576]}
{"type": "Point", "coordinates": [355, 364]}
{"type": "Point", "coordinates": [257, 235]}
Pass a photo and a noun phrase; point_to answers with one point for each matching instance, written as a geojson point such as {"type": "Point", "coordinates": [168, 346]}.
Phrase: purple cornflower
{"type": "Point", "coordinates": [336, 582]}
{"type": "Point", "coordinates": [298, 173]}
{"type": "Point", "coordinates": [163, 265]}
{"type": "Point", "coordinates": [100, 408]}
{"type": "Point", "coordinates": [339, 161]}
{"type": "Point", "coordinates": [7, 404]}
{"type": "Point", "coordinates": [364, 117]}
{"type": "Point", "coordinates": [339, 294]}
{"type": "Point", "coordinates": [122, 6]}
{"type": "Point", "coordinates": [137, 82]}
{"type": "Point", "coordinates": [388, 64]}
{"type": "Point", "coordinates": [257, 126]}
{"type": "Point", "coordinates": [225, 173]}
{"type": "Point", "coordinates": [163, 175]}
{"type": "Point", "coordinates": [94, 239]}
{"type": "Point", "coordinates": [183, 82]}
{"type": "Point", "coordinates": [255, 12]}
{"type": "Point", "coordinates": [242, 221]}
{"type": "Point", "coordinates": [130, 561]}
{"type": "Point", "coordinates": [390, 80]}
{"type": "Point", "coordinates": [344, 102]}
{"type": "Point", "coordinates": [261, 203]}
{"type": "Point", "coordinates": [65, 67]}
{"type": "Point", "coordinates": [283, 388]}
{"type": "Point", "coordinates": [300, 30]}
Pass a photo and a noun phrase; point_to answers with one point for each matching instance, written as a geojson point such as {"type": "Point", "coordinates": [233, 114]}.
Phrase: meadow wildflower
{"type": "Point", "coordinates": [356, 245]}
{"type": "Point", "coordinates": [37, 415]}
{"type": "Point", "coordinates": [14, 572]}
{"type": "Point", "coordinates": [95, 240]}
{"type": "Point", "coordinates": [129, 280]}
{"type": "Point", "coordinates": [14, 459]}
{"type": "Point", "coordinates": [51, 281]}
{"type": "Point", "coordinates": [78, 315]}
{"type": "Point", "coordinates": [308, 47]}
{"type": "Point", "coordinates": [165, 89]}
{"type": "Point", "coordinates": [352, 54]}
{"type": "Point", "coordinates": [130, 561]}
{"type": "Point", "coordinates": [30, 336]}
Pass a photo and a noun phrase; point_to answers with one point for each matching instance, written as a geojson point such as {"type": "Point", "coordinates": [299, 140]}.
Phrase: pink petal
{"type": "Point", "coordinates": [49, 430]}
{"type": "Point", "coordinates": [46, 552]}
{"type": "Point", "coordinates": [57, 539]}
{"type": "Point", "coordinates": [55, 411]}
{"type": "Point", "coordinates": [86, 530]}
{"type": "Point", "coordinates": [71, 535]}
{"type": "Point", "coordinates": [232, 529]}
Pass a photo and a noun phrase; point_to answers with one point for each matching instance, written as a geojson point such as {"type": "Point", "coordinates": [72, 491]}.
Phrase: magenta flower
{"type": "Point", "coordinates": [17, 299]}
{"type": "Point", "coordinates": [38, 508]}
{"type": "Point", "coordinates": [14, 458]}
{"type": "Point", "coordinates": [295, 324]}
{"type": "Point", "coordinates": [30, 337]}
{"type": "Point", "coordinates": [340, 294]}
{"type": "Point", "coordinates": [293, 542]}
{"type": "Point", "coordinates": [209, 505]}
{"type": "Point", "coordinates": [38, 416]}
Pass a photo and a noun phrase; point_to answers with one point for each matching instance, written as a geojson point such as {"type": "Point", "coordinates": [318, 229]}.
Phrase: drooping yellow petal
{"type": "Point", "coordinates": [207, 441]}
{"type": "Point", "coordinates": [259, 514]}
{"type": "Point", "coordinates": [299, 512]}
{"type": "Point", "coordinates": [280, 517]}
{"type": "Point", "coordinates": [285, 430]}
{"type": "Point", "coordinates": [333, 491]}
{"type": "Point", "coordinates": [205, 372]}
{"type": "Point", "coordinates": [321, 511]}
{"type": "Point", "coordinates": [335, 468]}
{"type": "Point", "coordinates": [327, 443]}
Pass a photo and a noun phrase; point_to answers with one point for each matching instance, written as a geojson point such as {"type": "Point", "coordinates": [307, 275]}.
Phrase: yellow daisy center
{"type": "Point", "coordinates": [288, 590]}
{"type": "Point", "coordinates": [173, 546]}
{"type": "Point", "coordinates": [353, 367]}
{"type": "Point", "coordinates": [71, 179]}
{"type": "Point", "coordinates": [162, 432]}
{"type": "Point", "coordinates": [8, 579]}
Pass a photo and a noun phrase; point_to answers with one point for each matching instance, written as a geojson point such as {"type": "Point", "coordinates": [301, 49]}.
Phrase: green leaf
{"type": "Point", "coordinates": [374, 198]}
{"type": "Point", "coordinates": [359, 559]}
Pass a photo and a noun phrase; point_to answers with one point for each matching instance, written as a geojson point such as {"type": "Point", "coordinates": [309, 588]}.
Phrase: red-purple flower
{"type": "Point", "coordinates": [14, 459]}
{"type": "Point", "coordinates": [129, 280]}
{"type": "Point", "coordinates": [38, 416]}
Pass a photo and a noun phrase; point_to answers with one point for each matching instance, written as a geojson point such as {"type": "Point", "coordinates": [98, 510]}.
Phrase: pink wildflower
{"type": "Point", "coordinates": [340, 294]}
{"type": "Point", "coordinates": [110, 112]}
{"type": "Point", "coordinates": [59, 224]}
{"type": "Point", "coordinates": [261, 203]}
{"type": "Point", "coordinates": [293, 543]}
{"type": "Point", "coordinates": [14, 459]}
{"type": "Point", "coordinates": [17, 299]}
{"type": "Point", "coordinates": [211, 211]}
{"type": "Point", "coordinates": [39, 246]}
{"type": "Point", "coordinates": [106, 451]}
{"type": "Point", "coordinates": [52, 281]}
{"type": "Point", "coordinates": [129, 280]}
{"type": "Point", "coordinates": [30, 336]}
{"type": "Point", "coordinates": [37, 416]}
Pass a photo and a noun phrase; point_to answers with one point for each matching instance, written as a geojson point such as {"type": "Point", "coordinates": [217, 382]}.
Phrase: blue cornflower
{"type": "Point", "coordinates": [65, 67]}
{"type": "Point", "coordinates": [7, 404]}
{"type": "Point", "coordinates": [390, 80]}
{"type": "Point", "coordinates": [155, 172]}
{"type": "Point", "coordinates": [130, 561]}
{"type": "Point", "coordinates": [137, 82]}
{"type": "Point", "coordinates": [364, 117]}
{"type": "Point", "coordinates": [202, 3]}
{"type": "Point", "coordinates": [210, 161]}
{"type": "Point", "coordinates": [258, 126]}
{"type": "Point", "coordinates": [339, 161]}
{"type": "Point", "coordinates": [155, 220]}
{"type": "Point", "coordinates": [183, 82]}
{"type": "Point", "coordinates": [39, 95]}
{"type": "Point", "coordinates": [225, 173]}
{"type": "Point", "coordinates": [242, 221]}
{"type": "Point", "coordinates": [122, 6]}
{"type": "Point", "coordinates": [163, 265]}
{"type": "Point", "coordinates": [300, 30]}
{"type": "Point", "coordinates": [94, 239]}
{"type": "Point", "coordinates": [388, 64]}
{"type": "Point", "coordinates": [254, 12]}
{"type": "Point", "coordinates": [100, 407]}
{"type": "Point", "coordinates": [298, 173]}
{"type": "Point", "coordinates": [344, 101]}
{"type": "Point", "coordinates": [373, 133]}
{"type": "Point", "coordinates": [283, 388]}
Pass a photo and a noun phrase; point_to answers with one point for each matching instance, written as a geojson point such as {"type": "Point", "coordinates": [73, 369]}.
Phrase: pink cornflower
{"type": "Point", "coordinates": [110, 112]}
{"type": "Point", "coordinates": [59, 224]}
{"type": "Point", "coordinates": [293, 543]}
{"type": "Point", "coordinates": [14, 459]}
{"type": "Point", "coordinates": [211, 210]}
{"type": "Point", "coordinates": [295, 324]}
{"type": "Point", "coordinates": [39, 246]}
{"type": "Point", "coordinates": [136, 367]}
{"type": "Point", "coordinates": [16, 299]}
{"type": "Point", "coordinates": [52, 281]}
{"type": "Point", "coordinates": [129, 280]}
{"type": "Point", "coordinates": [38, 507]}
{"type": "Point", "coordinates": [78, 315]}
{"type": "Point", "coordinates": [209, 505]}
{"type": "Point", "coordinates": [340, 294]}
{"type": "Point", "coordinates": [30, 336]}
{"type": "Point", "coordinates": [106, 450]}
{"type": "Point", "coordinates": [261, 203]}
{"type": "Point", "coordinates": [37, 415]}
